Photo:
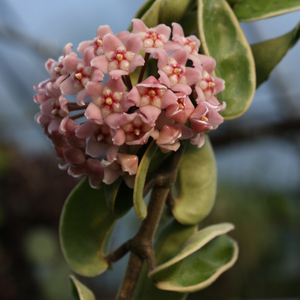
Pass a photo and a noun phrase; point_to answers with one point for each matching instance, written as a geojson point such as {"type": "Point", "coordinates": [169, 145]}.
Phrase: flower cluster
{"type": "Point", "coordinates": [92, 135]}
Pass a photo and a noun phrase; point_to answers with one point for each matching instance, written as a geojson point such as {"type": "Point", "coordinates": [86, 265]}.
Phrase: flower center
{"type": "Point", "coordinates": [151, 93]}
{"type": "Point", "coordinates": [204, 119]}
{"type": "Point", "coordinates": [108, 101]}
{"type": "Point", "coordinates": [99, 43]}
{"type": "Point", "coordinates": [180, 104]}
{"type": "Point", "coordinates": [153, 36]}
{"type": "Point", "coordinates": [100, 137]}
{"type": "Point", "coordinates": [57, 69]}
{"type": "Point", "coordinates": [192, 44]}
{"type": "Point", "coordinates": [211, 84]}
{"type": "Point", "coordinates": [177, 71]}
{"type": "Point", "coordinates": [137, 131]}
{"type": "Point", "coordinates": [78, 75]}
{"type": "Point", "coordinates": [119, 57]}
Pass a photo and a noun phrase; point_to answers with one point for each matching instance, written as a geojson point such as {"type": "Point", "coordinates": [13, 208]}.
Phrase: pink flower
{"type": "Point", "coordinates": [205, 118]}
{"type": "Point", "coordinates": [125, 165]}
{"type": "Point", "coordinates": [181, 110]}
{"type": "Point", "coordinates": [170, 135]}
{"type": "Point", "coordinates": [151, 96]}
{"type": "Point", "coordinates": [153, 38]}
{"type": "Point", "coordinates": [173, 72]}
{"type": "Point", "coordinates": [97, 43]}
{"type": "Point", "coordinates": [102, 139]}
{"type": "Point", "coordinates": [190, 43]}
{"type": "Point", "coordinates": [119, 59]}
{"type": "Point", "coordinates": [208, 86]}
{"type": "Point", "coordinates": [56, 68]}
{"type": "Point", "coordinates": [81, 73]}
{"type": "Point", "coordinates": [137, 129]}
{"type": "Point", "coordinates": [109, 100]}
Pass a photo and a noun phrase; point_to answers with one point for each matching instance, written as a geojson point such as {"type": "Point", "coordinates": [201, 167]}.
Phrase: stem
{"type": "Point", "coordinates": [117, 254]}
{"type": "Point", "coordinates": [131, 277]}
{"type": "Point", "coordinates": [147, 55]}
{"type": "Point", "coordinates": [129, 83]}
{"type": "Point", "coordinates": [125, 81]}
{"type": "Point", "coordinates": [77, 116]}
{"type": "Point", "coordinates": [74, 106]}
{"type": "Point", "coordinates": [141, 246]}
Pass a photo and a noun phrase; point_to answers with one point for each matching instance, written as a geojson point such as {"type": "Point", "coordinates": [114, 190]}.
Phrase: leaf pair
{"type": "Point", "coordinates": [188, 261]}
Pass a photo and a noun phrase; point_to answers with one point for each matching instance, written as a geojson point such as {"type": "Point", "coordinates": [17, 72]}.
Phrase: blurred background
{"type": "Point", "coordinates": [257, 155]}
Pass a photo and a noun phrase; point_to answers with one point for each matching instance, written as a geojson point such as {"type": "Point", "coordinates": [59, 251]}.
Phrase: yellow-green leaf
{"type": "Point", "coordinates": [223, 39]}
{"type": "Point", "coordinates": [151, 16]}
{"type": "Point", "coordinates": [80, 291]}
{"type": "Point", "coordinates": [196, 182]}
{"type": "Point", "coordinates": [85, 227]}
{"type": "Point", "coordinates": [269, 53]}
{"type": "Point", "coordinates": [143, 9]}
{"type": "Point", "coordinates": [203, 258]}
{"type": "Point", "coordinates": [189, 22]}
{"type": "Point", "coordinates": [251, 10]}
{"type": "Point", "coordinates": [172, 10]}
{"type": "Point", "coordinates": [139, 204]}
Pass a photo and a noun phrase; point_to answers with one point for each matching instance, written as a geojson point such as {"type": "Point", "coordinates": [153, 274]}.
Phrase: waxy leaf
{"type": "Point", "coordinates": [172, 10]}
{"type": "Point", "coordinates": [157, 161]}
{"type": "Point", "coordinates": [139, 204]}
{"type": "Point", "coordinates": [269, 53]}
{"type": "Point", "coordinates": [251, 10]}
{"type": "Point", "coordinates": [80, 291]}
{"type": "Point", "coordinates": [203, 258]}
{"type": "Point", "coordinates": [151, 16]}
{"type": "Point", "coordinates": [189, 23]}
{"type": "Point", "coordinates": [223, 39]}
{"type": "Point", "coordinates": [143, 9]}
{"type": "Point", "coordinates": [168, 243]}
{"type": "Point", "coordinates": [85, 227]}
{"type": "Point", "coordinates": [196, 182]}
{"type": "Point", "coordinates": [118, 198]}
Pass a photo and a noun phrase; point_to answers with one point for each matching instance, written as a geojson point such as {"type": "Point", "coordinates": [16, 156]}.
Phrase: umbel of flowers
{"type": "Point", "coordinates": [94, 135]}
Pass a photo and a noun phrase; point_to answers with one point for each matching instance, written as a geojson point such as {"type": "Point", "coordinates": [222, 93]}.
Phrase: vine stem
{"type": "Point", "coordinates": [147, 55]}
{"type": "Point", "coordinates": [141, 246]}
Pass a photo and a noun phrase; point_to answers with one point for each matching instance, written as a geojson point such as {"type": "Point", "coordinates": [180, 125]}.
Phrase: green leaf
{"type": "Point", "coordinates": [223, 39]}
{"type": "Point", "coordinates": [151, 16]}
{"type": "Point", "coordinates": [196, 182]}
{"type": "Point", "coordinates": [269, 53]}
{"type": "Point", "coordinates": [85, 227]}
{"type": "Point", "coordinates": [189, 23]}
{"type": "Point", "coordinates": [203, 258]}
{"type": "Point", "coordinates": [143, 9]}
{"type": "Point", "coordinates": [118, 198]}
{"type": "Point", "coordinates": [231, 2]}
{"type": "Point", "coordinates": [139, 204]}
{"type": "Point", "coordinates": [169, 241]}
{"type": "Point", "coordinates": [80, 291]}
{"type": "Point", "coordinates": [251, 10]}
{"type": "Point", "coordinates": [157, 161]}
{"type": "Point", "coordinates": [172, 10]}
